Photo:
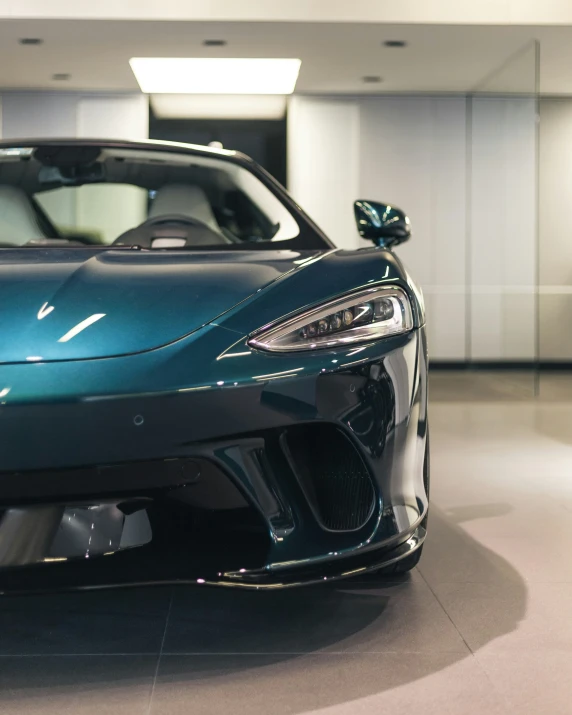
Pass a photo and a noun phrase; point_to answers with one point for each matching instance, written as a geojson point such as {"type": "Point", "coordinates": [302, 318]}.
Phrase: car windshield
{"type": "Point", "coordinates": [77, 195]}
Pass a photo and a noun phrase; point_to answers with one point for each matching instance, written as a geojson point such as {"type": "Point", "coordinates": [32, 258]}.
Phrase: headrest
{"type": "Point", "coordinates": [184, 200]}
{"type": "Point", "coordinates": [18, 222]}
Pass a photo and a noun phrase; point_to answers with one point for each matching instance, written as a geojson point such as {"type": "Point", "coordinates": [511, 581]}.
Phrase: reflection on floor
{"type": "Point", "coordinates": [500, 385]}
{"type": "Point", "coordinates": [483, 625]}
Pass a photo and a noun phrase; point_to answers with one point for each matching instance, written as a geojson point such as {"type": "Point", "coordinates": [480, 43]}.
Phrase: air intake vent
{"type": "Point", "coordinates": [332, 475]}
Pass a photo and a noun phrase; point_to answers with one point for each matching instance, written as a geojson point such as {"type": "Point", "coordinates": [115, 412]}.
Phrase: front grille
{"type": "Point", "coordinates": [32, 486]}
{"type": "Point", "coordinates": [332, 475]}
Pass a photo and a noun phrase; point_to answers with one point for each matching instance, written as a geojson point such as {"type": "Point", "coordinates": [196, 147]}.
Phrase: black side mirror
{"type": "Point", "coordinates": [384, 225]}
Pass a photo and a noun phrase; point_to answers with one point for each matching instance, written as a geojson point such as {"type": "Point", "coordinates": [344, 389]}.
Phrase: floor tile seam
{"type": "Point", "coordinates": [76, 654]}
{"type": "Point", "coordinates": [158, 664]}
{"type": "Point", "coordinates": [436, 597]}
{"type": "Point", "coordinates": [509, 705]}
{"type": "Point", "coordinates": [313, 653]}
{"type": "Point", "coordinates": [165, 654]}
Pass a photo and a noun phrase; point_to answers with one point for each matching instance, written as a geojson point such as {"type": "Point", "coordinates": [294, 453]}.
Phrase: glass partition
{"type": "Point", "coordinates": [555, 249]}
{"type": "Point", "coordinates": [501, 236]}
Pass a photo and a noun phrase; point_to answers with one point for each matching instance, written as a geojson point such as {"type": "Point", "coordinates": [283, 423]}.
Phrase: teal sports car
{"type": "Point", "coordinates": [195, 384]}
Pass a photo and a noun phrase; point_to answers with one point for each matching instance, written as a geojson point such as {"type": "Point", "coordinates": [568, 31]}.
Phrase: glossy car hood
{"type": "Point", "coordinates": [72, 304]}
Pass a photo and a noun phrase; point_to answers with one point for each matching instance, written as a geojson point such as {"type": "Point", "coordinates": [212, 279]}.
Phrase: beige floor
{"type": "Point", "coordinates": [500, 386]}
{"type": "Point", "coordinates": [484, 625]}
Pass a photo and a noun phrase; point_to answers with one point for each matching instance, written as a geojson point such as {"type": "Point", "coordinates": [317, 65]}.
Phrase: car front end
{"type": "Point", "coordinates": [252, 418]}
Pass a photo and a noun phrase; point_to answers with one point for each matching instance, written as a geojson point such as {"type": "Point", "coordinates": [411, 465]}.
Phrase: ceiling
{"type": "Point", "coordinates": [335, 57]}
{"type": "Point", "coordinates": [440, 12]}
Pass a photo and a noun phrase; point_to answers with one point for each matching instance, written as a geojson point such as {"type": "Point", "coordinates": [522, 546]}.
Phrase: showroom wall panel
{"type": "Point", "coordinates": [555, 235]}
{"type": "Point", "coordinates": [38, 114]}
{"type": "Point", "coordinates": [323, 159]}
{"type": "Point", "coordinates": [63, 114]}
{"type": "Point", "coordinates": [428, 154]}
{"type": "Point", "coordinates": [411, 152]}
{"type": "Point", "coordinates": [113, 116]}
{"type": "Point", "coordinates": [503, 263]}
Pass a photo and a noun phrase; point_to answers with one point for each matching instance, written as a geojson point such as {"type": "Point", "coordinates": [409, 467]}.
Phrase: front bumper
{"type": "Point", "coordinates": [104, 447]}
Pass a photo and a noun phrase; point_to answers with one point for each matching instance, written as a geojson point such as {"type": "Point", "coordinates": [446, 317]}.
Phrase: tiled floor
{"type": "Point", "coordinates": [484, 625]}
{"type": "Point", "coordinates": [501, 385]}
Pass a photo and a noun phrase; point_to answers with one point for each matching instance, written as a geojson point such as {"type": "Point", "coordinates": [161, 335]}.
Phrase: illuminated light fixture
{"type": "Point", "coordinates": [5, 391]}
{"type": "Point", "coordinates": [80, 326]}
{"type": "Point", "coordinates": [218, 106]}
{"type": "Point", "coordinates": [215, 75]}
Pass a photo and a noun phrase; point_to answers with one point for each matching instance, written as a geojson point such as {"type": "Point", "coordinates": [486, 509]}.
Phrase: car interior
{"type": "Point", "coordinates": [151, 200]}
{"type": "Point", "coordinates": [179, 215]}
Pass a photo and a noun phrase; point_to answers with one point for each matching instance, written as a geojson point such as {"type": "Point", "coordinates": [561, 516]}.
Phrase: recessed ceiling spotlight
{"type": "Point", "coordinates": [214, 43]}
{"type": "Point", "coordinates": [395, 43]}
{"type": "Point", "coordinates": [61, 76]}
{"type": "Point", "coordinates": [30, 41]}
{"type": "Point", "coordinates": [372, 79]}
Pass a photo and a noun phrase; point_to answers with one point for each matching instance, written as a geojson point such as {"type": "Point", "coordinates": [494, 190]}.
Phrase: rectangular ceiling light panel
{"type": "Point", "coordinates": [215, 75]}
{"type": "Point", "coordinates": [218, 106]}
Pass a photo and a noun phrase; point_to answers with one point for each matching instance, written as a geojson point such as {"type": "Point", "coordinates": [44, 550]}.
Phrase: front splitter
{"type": "Point", "coordinates": [116, 570]}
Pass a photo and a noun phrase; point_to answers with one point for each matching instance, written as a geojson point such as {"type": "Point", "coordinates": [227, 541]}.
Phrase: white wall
{"type": "Point", "coordinates": [323, 160]}
{"type": "Point", "coordinates": [412, 151]}
{"type": "Point", "coordinates": [113, 116]}
{"type": "Point", "coordinates": [74, 114]}
{"type": "Point", "coordinates": [555, 229]}
{"type": "Point", "coordinates": [38, 114]}
{"type": "Point", "coordinates": [412, 155]}
{"type": "Point", "coordinates": [503, 258]}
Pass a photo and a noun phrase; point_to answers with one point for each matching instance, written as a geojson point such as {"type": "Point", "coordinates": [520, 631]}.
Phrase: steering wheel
{"type": "Point", "coordinates": [174, 218]}
{"type": "Point", "coordinates": [171, 226]}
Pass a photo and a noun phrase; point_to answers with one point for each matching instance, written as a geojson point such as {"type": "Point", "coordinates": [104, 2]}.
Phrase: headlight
{"type": "Point", "coordinates": [361, 317]}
